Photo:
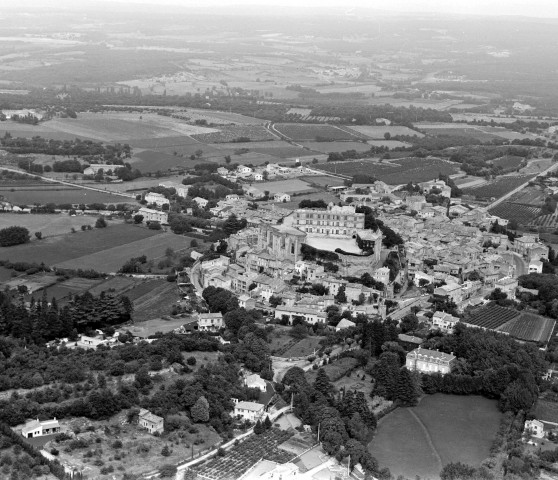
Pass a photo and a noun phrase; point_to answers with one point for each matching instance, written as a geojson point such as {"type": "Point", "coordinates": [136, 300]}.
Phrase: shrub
{"type": "Point", "coordinates": [191, 361]}
{"type": "Point", "coordinates": [101, 223]}
{"type": "Point", "coordinates": [167, 471]}
{"type": "Point", "coordinates": [13, 236]}
{"type": "Point", "coordinates": [117, 444]}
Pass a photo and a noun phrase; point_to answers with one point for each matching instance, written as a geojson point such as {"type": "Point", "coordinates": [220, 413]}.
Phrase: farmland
{"type": "Point", "coordinates": [440, 430]}
{"type": "Point", "coordinates": [328, 147]}
{"type": "Point", "coordinates": [49, 225]}
{"type": "Point", "coordinates": [499, 187]}
{"type": "Point", "coordinates": [229, 133]}
{"type": "Point", "coordinates": [323, 180]}
{"type": "Point", "coordinates": [309, 132]}
{"type": "Point", "coordinates": [522, 214]}
{"type": "Point", "coordinates": [275, 148]}
{"type": "Point", "coordinates": [241, 457]}
{"type": "Point", "coordinates": [532, 195]}
{"type": "Point", "coordinates": [71, 246]}
{"type": "Point", "coordinates": [491, 317]}
{"type": "Point", "coordinates": [325, 196]}
{"type": "Point", "coordinates": [508, 163]}
{"type": "Point", "coordinates": [145, 328]}
{"type": "Point", "coordinates": [287, 186]}
{"type": "Point", "coordinates": [395, 172]}
{"type": "Point", "coordinates": [378, 132]}
{"type": "Point", "coordinates": [157, 301]}
{"type": "Point", "coordinates": [530, 327]}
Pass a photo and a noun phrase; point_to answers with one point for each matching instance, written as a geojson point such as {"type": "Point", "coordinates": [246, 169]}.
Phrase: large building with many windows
{"type": "Point", "coordinates": [430, 361]}
{"type": "Point", "coordinates": [334, 220]}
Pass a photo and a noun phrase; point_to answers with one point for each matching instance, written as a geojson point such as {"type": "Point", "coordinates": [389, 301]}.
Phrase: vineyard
{"type": "Point", "coordinates": [300, 132]}
{"type": "Point", "coordinates": [229, 133]}
{"type": "Point", "coordinates": [530, 327]}
{"type": "Point", "coordinates": [522, 214]}
{"type": "Point", "coordinates": [396, 172]}
{"type": "Point", "coordinates": [492, 317]}
{"type": "Point", "coordinates": [498, 187]}
{"type": "Point", "coordinates": [509, 163]}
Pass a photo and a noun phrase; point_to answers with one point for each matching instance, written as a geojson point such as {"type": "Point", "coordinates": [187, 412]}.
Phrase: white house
{"type": "Point", "coordinates": [381, 275]}
{"type": "Point", "coordinates": [210, 321]}
{"type": "Point", "coordinates": [251, 411]}
{"type": "Point", "coordinates": [255, 381]}
{"type": "Point", "coordinates": [310, 315]}
{"type": "Point", "coordinates": [181, 190]}
{"type": "Point", "coordinates": [534, 428]}
{"type": "Point", "coordinates": [247, 302]}
{"type": "Point", "coordinates": [444, 321]}
{"type": "Point", "coordinates": [232, 197]}
{"type": "Point", "coordinates": [157, 199]}
{"type": "Point", "coordinates": [258, 177]}
{"type": "Point", "coordinates": [535, 266]}
{"type": "Point", "coordinates": [36, 428]}
{"type": "Point", "coordinates": [201, 202]}
{"type": "Point", "coordinates": [281, 197]}
{"type": "Point", "coordinates": [344, 323]}
{"type": "Point", "coordinates": [150, 421]}
{"type": "Point", "coordinates": [222, 171]}
{"type": "Point", "coordinates": [151, 215]}
{"type": "Point", "coordinates": [243, 170]}
{"type": "Point", "coordinates": [429, 361]}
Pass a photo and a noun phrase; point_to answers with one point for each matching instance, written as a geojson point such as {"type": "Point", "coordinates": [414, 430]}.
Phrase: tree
{"type": "Point", "coordinates": [458, 471]}
{"type": "Point", "coordinates": [341, 297]}
{"type": "Point", "coordinates": [39, 235]}
{"type": "Point", "coordinates": [101, 223]}
{"type": "Point", "coordinates": [200, 410]}
{"type": "Point", "coordinates": [168, 471]}
{"type": "Point", "coordinates": [193, 243]}
{"type": "Point", "coordinates": [387, 135]}
{"type": "Point", "coordinates": [14, 236]}
{"type": "Point", "coordinates": [138, 218]}
{"type": "Point", "coordinates": [258, 428]}
{"type": "Point", "coordinates": [409, 323]}
{"type": "Point", "coordinates": [275, 301]}
{"type": "Point", "coordinates": [165, 451]}
{"type": "Point", "coordinates": [406, 390]}
{"type": "Point", "coordinates": [267, 423]}
{"type": "Point", "coordinates": [323, 384]}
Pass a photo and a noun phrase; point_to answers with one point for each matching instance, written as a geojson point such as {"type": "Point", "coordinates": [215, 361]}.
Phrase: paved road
{"type": "Point", "coordinates": [75, 185]}
{"type": "Point", "coordinates": [552, 167]}
{"type": "Point", "coordinates": [521, 267]}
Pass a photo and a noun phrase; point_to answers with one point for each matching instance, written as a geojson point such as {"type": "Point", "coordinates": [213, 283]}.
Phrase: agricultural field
{"type": "Point", "coordinates": [325, 196]}
{"type": "Point", "coordinates": [537, 165]}
{"type": "Point", "coordinates": [378, 132]}
{"type": "Point", "coordinates": [140, 451]}
{"type": "Point", "coordinates": [508, 163]}
{"type": "Point", "coordinates": [216, 117]}
{"type": "Point", "coordinates": [124, 127]}
{"type": "Point", "coordinates": [42, 129]}
{"type": "Point", "coordinates": [278, 149]}
{"type": "Point", "coordinates": [440, 430]}
{"type": "Point", "coordinates": [62, 291]}
{"type": "Point", "coordinates": [547, 221]}
{"type": "Point", "coordinates": [529, 196]}
{"type": "Point", "coordinates": [241, 457]}
{"type": "Point", "coordinates": [499, 187]}
{"type": "Point", "coordinates": [396, 172]}
{"type": "Point", "coordinates": [530, 327]}
{"type": "Point", "coordinates": [43, 193]}
{"type": "Point", "coordinates": [64, 248]}
{"type": "Point", "coordinates": [391, 144]}
{"type": "Point", "coordinates": [156, 302]}
{"type": "Point", "coordinates": [522, 214]}
{"type": "Point", "coordinates": [323, 180]}
{"type": "Point", "coordinates": [507, 134]}
{"type": "Point", "coordinates": [110, 259]}
{"type": "Point", "coordinates": [309, 132]}
{"type": "Point", "coordinates": [229, 133]}
{"type": "Point", "coordinates": [48, 225]}
{"type": "Point", "coordinates": [286, 186]}
{"type": "Point", "coordinates": [158, 160]}
{"type": "Point", "coordinates": [491, 317]}
{"type": "Point", "coordinates": [328, 147]}
{"type": "Point", "coordinates": [162, 142]}
{"type": "Point", "coordinates": [461, 131]}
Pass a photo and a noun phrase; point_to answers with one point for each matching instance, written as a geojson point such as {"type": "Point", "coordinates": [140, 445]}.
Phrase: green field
{"type": "Point", "coordinates": [48, 225]}
{"type": "Point", "coordinates": [441, 429]}
{"type": "Point", "coordinates": [71, 246]}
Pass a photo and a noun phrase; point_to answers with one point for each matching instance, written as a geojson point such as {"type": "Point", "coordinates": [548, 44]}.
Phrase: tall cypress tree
{"type": "Point", "coordinates": [406, 390]}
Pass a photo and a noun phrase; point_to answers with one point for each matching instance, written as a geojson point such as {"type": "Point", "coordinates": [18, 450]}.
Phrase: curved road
{"type": "Point", "coordinates": [521, 267]}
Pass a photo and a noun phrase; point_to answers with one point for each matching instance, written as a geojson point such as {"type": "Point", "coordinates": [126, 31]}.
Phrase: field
{"type": "Point", "coordinates": [442, 429]}
{"type": "Point", "coordinates": [461, 131]}
{"type": "Point", "coordinates": [522, 214]}
{"type": "Point", "coordinates": [508, 163]}
{"type": "Point", "coordinates": [305, 347]}
{"type": "Point", "coordinates": [156, 160]}
{"type": "Point", "coordinates": [110, 259]}
{"type": "Point", "coordinates": [229, 133]}
{"type": "Point", "coordinates": [529, 196]}
{"type": "Point", "coordinates": [49, 225]}
{"type": "Point", "coordinates": [335, 370]}
{"type": "Point", "coordinates": [499, 187]}
{"type": "Point", "coordinates": [323, 180]}
{"type": "Point", "coordinates": [530, 327]}
{"type": "Point", "coordinates": [325, 196]}
{"type": "Point", "coordinates": [396, 172]}
{"type": "Point", "coordinates": [55, 193]}
{"type": "Point", "coordinates": [157, 301]}
{"type": "Point", "coordinates": [63, 290]}
{"type": "Point", "coordinates": [309, 132]}
{"type": "Point", "coordinates": [145, 328]}
{"type": "Point", "coordinates": [378, 132]}
{"type": "Point", "coordinates": [123, 127]}
{"type": "Point", "coordinates": [64, 248]}
{"type": "Point", "coordinates": [491, 317]}
{"type": "Point", "coordinates": [537, 165]}
{"type": "Point", "coordinates": [140, 451]}
{"type": "Point", "coordinates": [547, 221]}
{"type": "Point", "coordinates": [388, 143]}
{"type": "Point", "coordinates": [286, 186]}
{"type": "Point", "coordinates": [274, 148]}
{"type": "Point", "coordinates": [241, 457]}
{"type": "Point", "coordinates": [328, 147]}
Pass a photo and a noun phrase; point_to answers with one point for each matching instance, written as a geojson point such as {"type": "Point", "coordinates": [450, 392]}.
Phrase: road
{"type": "Point", "coordinates": [75, 185]}
{"type": "Point", "coordinates": [520, 264]}
{"type": "Point", "coordinates": [521, 187]}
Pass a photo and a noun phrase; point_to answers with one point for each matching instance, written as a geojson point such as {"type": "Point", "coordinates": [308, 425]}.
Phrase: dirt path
{"type": "Point", "coordinates": [428, 439]}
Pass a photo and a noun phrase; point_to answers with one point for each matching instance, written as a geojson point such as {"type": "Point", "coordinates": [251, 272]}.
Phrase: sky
{"type": "Point", "coordinates": [530, 8]}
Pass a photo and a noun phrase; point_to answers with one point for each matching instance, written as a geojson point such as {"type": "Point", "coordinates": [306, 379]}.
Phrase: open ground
{"type": "Point", "coordinates": [441, 429]}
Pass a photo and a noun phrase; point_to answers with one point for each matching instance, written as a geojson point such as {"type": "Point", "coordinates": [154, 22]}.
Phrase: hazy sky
{"type": "Point", "coordinates": [532, 8]}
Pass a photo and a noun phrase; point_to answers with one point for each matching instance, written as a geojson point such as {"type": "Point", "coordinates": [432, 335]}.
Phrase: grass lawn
{"type": "Point", "coordinates": [55, 250]}
{"type": "Point", "coordinates": [440, 430]}
{"type": "Point", "coordinates": [59, 194]}
{"type": "Point", "coordinates": [303, 348]}
{"type": "Point", "coordinates": [285, 186]}
{"type": "Point", "coordinates": [335, 370]}
{"type": "Point", "coordinates": [157, 302]}
{"type": "Point", "coordinates": [146, 328]}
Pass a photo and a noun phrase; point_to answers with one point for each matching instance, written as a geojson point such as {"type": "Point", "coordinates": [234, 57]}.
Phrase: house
{"type": "Point", "coordinates": [444, 321]}
{"type": "Point", "coordinates": [210, 321]}
{"type": "Point", "coordinates": [96, 167]}
{"type": "Point", "coordinates": [247, 302]}
{"type": "Point", "coordinates": [222, 171]}
{"type": "Point", "coordinates": [535, 266]}
{"type": "Point", "coordinates": [281, 197]}
{"type": "Point", "coordinates": [430, 361]}
{"type": "Point", "coordinates": [251, 411]}
{"type": "Point", "coordinates": [151, 422]}
{"type": "Point", "coordinates": [534, 428]}
{"type": "Point", "coordinates": [344, 323]}
{"type": "Point", "coordinates": [451, 292]}
{"type": "Point", "coordinates": [243, 170]}
{"type": "Point", "coordinates": [201, 202]}
{"type": "Point", "coordinates": [508, 286]}
{"type": "Point", "coordinates": [381, 275]}
{"type": "Point", "coordinates": [253, 192]}
{"type": "Point", "coordinates": [258, 177]}
{"type": "Point", "coordinates": [37, 428]}
{"type": "Point", "coordinates": [232, 197]}
{"type": "Point", "coordinates": [181, 190]}
{"type": "Point", "coordinates": [150, 215]}
{"type": "Point", "coordinates": [409, 341]}
{"type": "Point", "coordinates": [310, 315]}
{"type": "Point", "coordinates": [255, 381]}
{"type": "Point", "coordinates": [157, 199]}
